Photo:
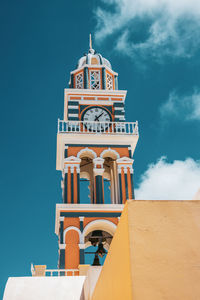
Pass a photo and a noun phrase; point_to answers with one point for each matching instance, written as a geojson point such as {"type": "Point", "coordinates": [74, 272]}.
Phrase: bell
{"type": "Point", "coordinates": [96, 236]}
{"type": "Point", "coordinates": [101, 251]}
{"type": "Point", "coordinates": [96, 261]}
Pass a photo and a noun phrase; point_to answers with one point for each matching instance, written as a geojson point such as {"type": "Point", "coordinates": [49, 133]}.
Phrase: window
{"type": "Point", "coordinates": [95, 80]}
{"type": "Point", "coordinates": [79, 81]}
{"type": "Point", "coordinates": [109, 82]}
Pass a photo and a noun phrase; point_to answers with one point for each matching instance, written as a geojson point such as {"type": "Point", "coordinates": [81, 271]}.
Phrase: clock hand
{"type": "Point", "coordinates": [97, 117]}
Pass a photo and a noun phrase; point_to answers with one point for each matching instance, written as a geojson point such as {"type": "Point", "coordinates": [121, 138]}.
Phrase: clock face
{"type": "Point", "coordinates": [96, 119]}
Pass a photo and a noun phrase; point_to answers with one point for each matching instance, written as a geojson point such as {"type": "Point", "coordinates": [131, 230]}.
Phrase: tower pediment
{"type": "Point", "coordinates": [125, 160]}
{"type": "Point", "coordinates": [72, 159]}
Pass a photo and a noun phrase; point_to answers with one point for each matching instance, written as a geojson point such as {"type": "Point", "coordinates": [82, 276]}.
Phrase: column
{"type": "Point", "coordinates": [125, 172]}
{"type": "Point", "coordinates": [72, 81]}
{"type": "Point", "coordinates": [85, 78]}
{"type": "Point", "coordinates": [66, 151]}
{"type": "Point", "coordinates": [123, 183]}
{"type": "Point", "coordinates": [65, 182]}
{"type": "Point", "coordinates": [120, 185]}
{"type": "Point", "coordinates": [116, 82]}
{"type": "Point", "coordinates": [130, 182]}
{"type": "Point", "coordinates": [103, 78]}
{"type": "Point", "coordinates": [72, 183]}
{"type": "Point", "coordinates": [112, 186]}
{"type": "Point", "coordinates": [61, 262]}
{"type": "Point", "coordinates": [116, 182]}
{"type": "Point", "coordinates": [71, 180]}
{"type": "Point", "coordinates": [69, 188]}
{"type": "Point", "coordinates": [62, 258]}
{"type": "Point", "coordinates": [98, 180]}
{"type": "Point", "coordinates": [132, 185]}
{"type": "Point", "coordinates": [81, 245]}
{"type": "Point", "coordinates": [82, 254]}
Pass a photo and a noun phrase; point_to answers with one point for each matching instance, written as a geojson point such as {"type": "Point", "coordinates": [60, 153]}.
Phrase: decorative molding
{"type": "Point", "coordinates": [110, 150]}
{"type": "Point", "coordinates": [61, 219]}
{"type": "Point", "coordinates": [72, 228]}
{"type": "Point", "coordinates": [87, 150]}
{"type": "Point", "coordinates": [98, 161]}
{"type": "Point", "coordinates": [81, 219]}
{"type": "Point", "coordinates": [72, 162]}
{"type": "Point", "coordinates": [125, 160]}
{"type": "Point", "coordinates": [72, 159]}
{"type": "Point", "coordinates": [99, 222]}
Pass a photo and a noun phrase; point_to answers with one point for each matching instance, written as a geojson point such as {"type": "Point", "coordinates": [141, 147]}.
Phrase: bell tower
{"type": "Point", "coordinates": [94, 144]}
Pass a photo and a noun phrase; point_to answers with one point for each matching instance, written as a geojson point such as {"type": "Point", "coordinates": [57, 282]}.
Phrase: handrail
{"type": "Point", "coordinates": [62, 272]}
{"type": "Point", "coordinates": [40, 270]}
{"type": "Point", "coordinates": [96, 127]}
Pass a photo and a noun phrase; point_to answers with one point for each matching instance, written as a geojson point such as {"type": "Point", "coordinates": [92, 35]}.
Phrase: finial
{"type": "Point", "coordinates": [90, 42]}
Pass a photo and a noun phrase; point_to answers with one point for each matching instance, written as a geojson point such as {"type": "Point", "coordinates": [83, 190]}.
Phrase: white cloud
{"type": "Point", "coordinates": [183, 107]}
{"type": "Point", "coordinates": [179, 180]}
{"type": "Point", "coordinates": [173, 26]}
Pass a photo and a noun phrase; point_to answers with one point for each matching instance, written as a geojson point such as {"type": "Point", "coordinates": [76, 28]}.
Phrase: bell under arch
{"type": "Point", "coordinates": [97, 237]}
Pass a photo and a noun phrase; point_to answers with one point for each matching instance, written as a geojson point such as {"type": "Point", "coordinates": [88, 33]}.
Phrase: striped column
{"type": "Point", "coordinates": [125, 174]}
{"type": "Point", "coordinates": [73, 110]}
{"type": "Point", "coordinates": [71, 180]}
{"type": "Point", "coordinates": [119, 111]}
{"type": "Point", "coordinates": [98, 180]}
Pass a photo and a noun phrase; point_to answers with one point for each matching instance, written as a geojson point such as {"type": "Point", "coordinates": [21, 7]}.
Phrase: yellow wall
{"type": "Point", "coordinates": [160, 241]}
{"type": "Point", "coordinates": [115, 278]}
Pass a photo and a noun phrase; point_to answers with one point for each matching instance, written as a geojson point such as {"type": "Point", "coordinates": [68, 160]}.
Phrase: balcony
{"type": "Point", "coordinates": [92, 127]}
{"type": "Point", "coordinates": [41, 270]}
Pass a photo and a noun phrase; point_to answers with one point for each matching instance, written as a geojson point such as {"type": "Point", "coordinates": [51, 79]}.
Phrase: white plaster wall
{"type": "Point", "coordinates": [44, 288]}
{"type": "Point", "coordinates": [91, 280]}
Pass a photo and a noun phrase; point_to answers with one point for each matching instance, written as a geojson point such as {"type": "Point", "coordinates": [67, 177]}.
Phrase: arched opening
{"type": "Point", "coordinates": [95, 233]}
{"type": "Point", "coordinates": [111, 185]}
{"type": "Point", "coordinates": [97, 244]}
{"type": "Point", "coordinates": [86, 180]}
{"type": "Point", "coordinates": [86, 175]}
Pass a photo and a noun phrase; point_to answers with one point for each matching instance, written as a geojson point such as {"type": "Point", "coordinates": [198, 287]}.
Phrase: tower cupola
{"type": "Point", "coordinates": [94, 72]}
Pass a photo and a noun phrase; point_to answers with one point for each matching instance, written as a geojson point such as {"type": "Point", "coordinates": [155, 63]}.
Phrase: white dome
{"type": "Point", "coordinates": [93, 58]}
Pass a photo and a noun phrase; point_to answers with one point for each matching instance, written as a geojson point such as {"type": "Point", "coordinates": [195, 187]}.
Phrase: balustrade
{"type": "Point", "coordinates": [93, 127]}
{"type": "Point", "coordinates": [62, 272]}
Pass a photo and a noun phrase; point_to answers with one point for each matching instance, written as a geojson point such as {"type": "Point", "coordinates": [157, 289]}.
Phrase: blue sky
{"type": "Point", "coordinates": [153, 45]}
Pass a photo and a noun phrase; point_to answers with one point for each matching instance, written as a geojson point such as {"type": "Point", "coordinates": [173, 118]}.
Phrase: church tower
{"type": "Point", "coordinates": [96, 145]}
